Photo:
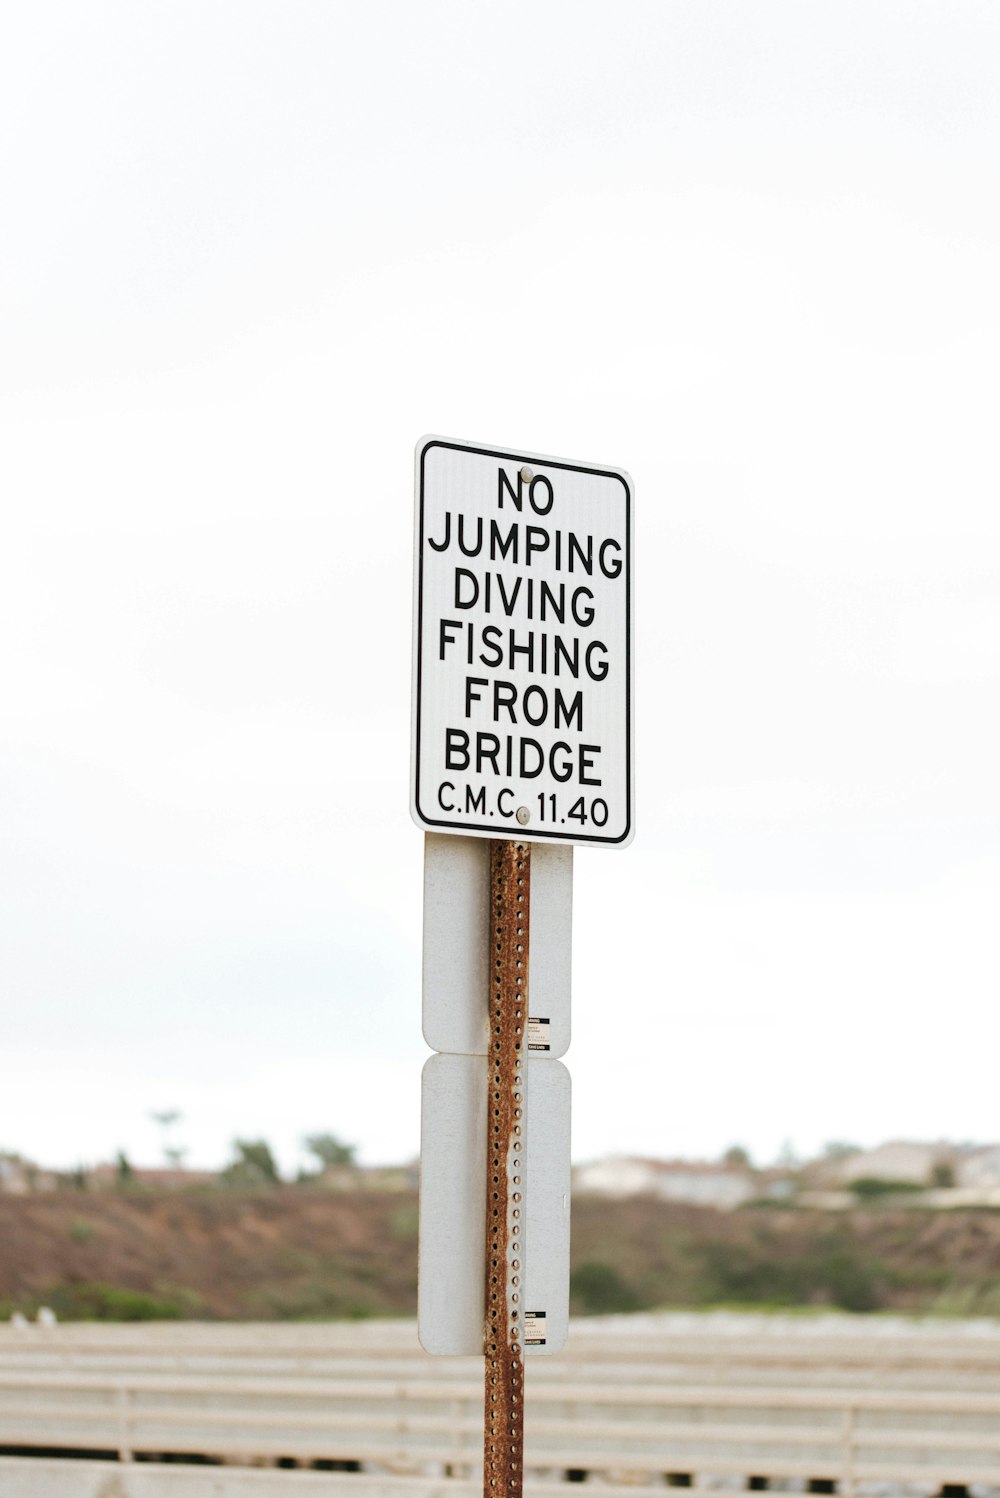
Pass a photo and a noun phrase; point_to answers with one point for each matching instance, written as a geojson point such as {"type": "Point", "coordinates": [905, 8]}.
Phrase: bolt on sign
{"type": "Point", "coordinates": [522, 696]}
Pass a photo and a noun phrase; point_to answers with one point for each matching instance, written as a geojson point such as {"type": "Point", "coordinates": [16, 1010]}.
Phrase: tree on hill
{"type": "Point", "coordinates": [839, 1149]}
{"type": "Point", "coordinates": [329, 1150]}
{"type": "Point", "coordinates": [737, 1157]}
{"type": "Point", "coordinates": [167, 1118]}
{"type": "Point", "coordinates": [253, 1164]}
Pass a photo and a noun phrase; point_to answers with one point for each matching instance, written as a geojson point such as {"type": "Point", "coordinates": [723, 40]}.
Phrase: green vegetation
{"type": "Point", "coordinates": [839, 1149]}
{"type": "Point", "coordinates": [329, 1150]}
{"type": "Point", "coordinates": [870, 1188]}
{"type": "Point", "coordinates": [830, 1273]}
{"type": "Point", "coordinates": [405, 1222]}
{"type": "Point", "coordinates": [98, 1302]}
{"type": "Point", "coordinates": [598, 1289]}
{"type": "Point", "coordinates": [317, 1299]}
{"type": "Point", "coordinates": [899, 1259]}
{"type": "Point", "coordinates": [279, 1251]}
{"type": "Point", "coordinates": [252, 1165]}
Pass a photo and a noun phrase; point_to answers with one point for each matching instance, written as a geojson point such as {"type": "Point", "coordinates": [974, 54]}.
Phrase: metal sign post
{"type": "Point", "coordinates": [522, 729]}
{"type": "Point", "coordinates": [510, 903]}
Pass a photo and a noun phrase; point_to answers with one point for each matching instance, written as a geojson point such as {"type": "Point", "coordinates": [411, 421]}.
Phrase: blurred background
{"type": "Point", "coordinates": [251, 253]}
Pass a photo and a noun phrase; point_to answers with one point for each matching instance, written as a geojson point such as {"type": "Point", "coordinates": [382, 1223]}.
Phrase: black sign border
{"type": "Point", "coordinates": [471, 829]}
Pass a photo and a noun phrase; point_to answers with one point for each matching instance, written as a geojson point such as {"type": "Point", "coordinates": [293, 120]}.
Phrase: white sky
{"type": "Point", "coordinates": [250, 252]}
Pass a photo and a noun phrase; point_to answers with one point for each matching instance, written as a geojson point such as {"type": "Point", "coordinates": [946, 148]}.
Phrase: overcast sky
{"type": "Point", "coordinates": [250, 253]}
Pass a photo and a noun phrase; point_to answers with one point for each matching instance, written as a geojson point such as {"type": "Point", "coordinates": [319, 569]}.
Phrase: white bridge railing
{"type": "Point", "coordinates": [625, 1407]}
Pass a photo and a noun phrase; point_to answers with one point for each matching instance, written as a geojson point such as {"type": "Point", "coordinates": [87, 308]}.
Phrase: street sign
{"type": "Point", "coordinates": [457, 953]}
{"type": "Point", "coordinates": [522, 747]}
{"type": "Point", "coordinates": [522, 669]}
{"type": "Point", "coordinates": [453, 1188]}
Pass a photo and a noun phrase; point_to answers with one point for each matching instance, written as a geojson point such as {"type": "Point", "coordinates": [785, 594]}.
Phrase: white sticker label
{"type": "Point", "coordinates": [534, 1328]}
{"type": "Point", "coordinates": [538, 1034]}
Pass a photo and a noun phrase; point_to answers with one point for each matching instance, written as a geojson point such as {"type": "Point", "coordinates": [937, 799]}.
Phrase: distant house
{"type": "Point", "coordinates": [701, 1183]}
{"type": "Point", "coordinates": [978, 1169]}
{"type": "Point", "coordinates": [15, 1175]}
{"type": "Point", "coordinates": [897, 1160]}
{"type": "Point", "coordinates": [19, 1176]}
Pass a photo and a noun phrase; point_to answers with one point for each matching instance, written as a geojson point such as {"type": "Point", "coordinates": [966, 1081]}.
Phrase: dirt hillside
{"type": "Point", "coordinates": [296, 1252]}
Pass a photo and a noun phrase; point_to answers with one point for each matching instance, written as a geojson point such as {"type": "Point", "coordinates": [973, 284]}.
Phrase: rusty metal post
{"type": "Point", "coordinates": [510, 897]}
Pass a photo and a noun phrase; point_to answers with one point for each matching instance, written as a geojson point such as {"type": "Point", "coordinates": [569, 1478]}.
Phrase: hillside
{"type": "Point", "coordinates": [302, 1253]}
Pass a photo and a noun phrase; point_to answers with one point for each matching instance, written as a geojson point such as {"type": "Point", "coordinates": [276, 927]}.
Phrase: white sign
{"type": "Point", "coordinates": [457, 952]}
{"type": "Point", "coordinates": [451, 1286]}
{"type": "Point", "coordinates": [522, 670]}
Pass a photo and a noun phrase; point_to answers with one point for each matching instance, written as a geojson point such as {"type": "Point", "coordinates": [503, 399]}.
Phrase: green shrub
{"type": "Point", "coordinates": [868, 1187]}
{"type": "Point", "coordinates": [93, 1301]}
{"type": "Point", "coordinates": [404, 1224]}
{"type": "Point", "coordinates": [830, 1272]}
{"type": "Point", "coordinates": [852, 1284]}
{"type": "Point", "coordinates": [598, 1289]}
